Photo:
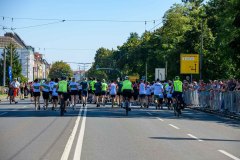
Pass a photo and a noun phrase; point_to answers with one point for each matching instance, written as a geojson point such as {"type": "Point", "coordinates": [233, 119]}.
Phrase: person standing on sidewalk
{"type": "Point", "coordinates": [15, 84]}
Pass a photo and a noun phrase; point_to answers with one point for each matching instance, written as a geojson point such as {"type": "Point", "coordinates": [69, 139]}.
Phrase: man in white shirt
{"type": "Point", "coordinates": [16, 86]}
{"type": "Point", "coordinates": [142, 93]}
{"type": "Point", "coordinates": [158, 93]}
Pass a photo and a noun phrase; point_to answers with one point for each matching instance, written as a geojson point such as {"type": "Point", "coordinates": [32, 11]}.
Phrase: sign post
{"type": "Point", "coordinates": [160, 74]}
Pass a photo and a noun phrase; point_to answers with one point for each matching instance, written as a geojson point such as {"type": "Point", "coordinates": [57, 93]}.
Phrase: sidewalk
{"type": "Point", "coordinates": [3, 97]}
{"type": "Point", "coordinates": [216, 112]}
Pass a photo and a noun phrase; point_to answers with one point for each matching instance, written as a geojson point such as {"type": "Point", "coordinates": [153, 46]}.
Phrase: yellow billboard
{"type": "Point", "coordinates": [189, 64]}
{"type": "Point", "coordinates": [133, 78]}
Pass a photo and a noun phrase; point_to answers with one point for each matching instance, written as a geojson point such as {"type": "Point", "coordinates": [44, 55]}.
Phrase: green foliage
{"type": "Point", "coordinates": [23, 79]}
{"type": "Point", "coordinates": [16, 65]}
{"type": "Point", "coordinates": [60, 69]}
{"type": "Point", "coordinates": [217, 22]}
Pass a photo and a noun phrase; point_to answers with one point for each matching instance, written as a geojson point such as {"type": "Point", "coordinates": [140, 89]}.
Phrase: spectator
{"type": "Point", "coordinates": [231, 85]}
{"type": "Point", "coordinates": [16, 86]}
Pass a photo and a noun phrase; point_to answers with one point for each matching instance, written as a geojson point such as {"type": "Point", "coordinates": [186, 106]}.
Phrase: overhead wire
{"type": "Point", "coordinates": [84, 20]}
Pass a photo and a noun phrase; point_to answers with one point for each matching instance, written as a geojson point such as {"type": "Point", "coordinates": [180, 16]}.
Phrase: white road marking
{"type": "Point", "coordinates": [78, 149]}
{"type": "Point", "coordinates": [149, 113]}
{"type": "Point", "coordinates": [3, 113]}
{"type": "Point", "coordinates": [71, 138]}
{"type": "Point", "coordinates": [174, 126]}
{"type": "Point", "coordinates": [160, 119]}
{"type": "Point", "coordinates": [228, 154]}
{"type": "Point", "coordinates": [192, 136]}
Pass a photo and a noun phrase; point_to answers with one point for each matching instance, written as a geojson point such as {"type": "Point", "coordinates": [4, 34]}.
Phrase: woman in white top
{"type": "Point", "coordinates": [36, 93]}
{"type": "Point", "coordinates": [113, 91]}
{"type": "Point", "coordinates": [148, 93]}
{"type": "Point", "coordinates": [142, 93]}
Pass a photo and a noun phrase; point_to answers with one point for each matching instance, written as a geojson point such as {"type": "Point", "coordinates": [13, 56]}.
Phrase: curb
{"type": "Point", "coordinates": [222, 114]}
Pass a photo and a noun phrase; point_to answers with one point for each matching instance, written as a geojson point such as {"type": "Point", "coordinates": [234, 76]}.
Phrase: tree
{"type": "Point", "coordinates": [184, 26]}
{"type": "Point", "coordinates": [60, 69]}
{"type": "Point", "coordinates": [16, 65]}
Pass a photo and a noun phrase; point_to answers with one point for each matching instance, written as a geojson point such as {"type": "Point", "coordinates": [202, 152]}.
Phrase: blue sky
{"type": "Point", "coordinates": [77, 41]}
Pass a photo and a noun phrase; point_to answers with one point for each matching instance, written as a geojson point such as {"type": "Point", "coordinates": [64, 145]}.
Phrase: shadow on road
{"type": "Point", "coordinates": [205, 139]}
{"type": "Point", "coordinates": [116, 112]}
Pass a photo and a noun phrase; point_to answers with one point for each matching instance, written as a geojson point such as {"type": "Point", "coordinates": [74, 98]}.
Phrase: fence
{"type": "Point", "coordinates": [214, 100]}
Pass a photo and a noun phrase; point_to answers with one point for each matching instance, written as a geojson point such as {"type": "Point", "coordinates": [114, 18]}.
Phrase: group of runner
{"type": "Point", "coordinates": [100, 92]}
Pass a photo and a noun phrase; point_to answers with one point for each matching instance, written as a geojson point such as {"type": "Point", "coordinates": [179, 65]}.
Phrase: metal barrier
{"type": "Point", "coordinates": [215, 100]}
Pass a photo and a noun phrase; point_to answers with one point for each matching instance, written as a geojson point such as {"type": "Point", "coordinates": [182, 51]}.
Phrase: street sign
{"type": "Point", "coordinates": [160, 74]}
{"type": "Point", "coordinates": [133, 78]}
{"type": "Point", "coordinates": [189, 64]}
{"type": "Point", "coordinates": [10, 73]}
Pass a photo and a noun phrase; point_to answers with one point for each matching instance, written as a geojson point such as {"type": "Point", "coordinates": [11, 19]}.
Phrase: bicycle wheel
{"type": "Point", "coordinates": [127, 105]}
{"type": "Point", "coordinates": [178, 109]}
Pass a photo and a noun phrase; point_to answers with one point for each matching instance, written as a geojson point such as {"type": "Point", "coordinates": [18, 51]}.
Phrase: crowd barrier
{"type": "Point", "coordinates": [214, 100]}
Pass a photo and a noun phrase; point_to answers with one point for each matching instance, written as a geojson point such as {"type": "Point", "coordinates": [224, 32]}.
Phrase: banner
{"type": "Point", "coordinates": [10, 73]}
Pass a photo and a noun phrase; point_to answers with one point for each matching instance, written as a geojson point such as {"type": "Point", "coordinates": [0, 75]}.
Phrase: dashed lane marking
{"type": "Point", "coordinates": [160, 119]}
{"type": "Point", "coordinates": [174, 126]}
{"type": "Point", "coordinates": [228, 154]}
{"type": "Point", "coordinates": [192, 136]}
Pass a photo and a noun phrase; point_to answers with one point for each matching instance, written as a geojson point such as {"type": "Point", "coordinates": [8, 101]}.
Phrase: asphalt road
{"type": "Point", "coordinates": [105, 133]}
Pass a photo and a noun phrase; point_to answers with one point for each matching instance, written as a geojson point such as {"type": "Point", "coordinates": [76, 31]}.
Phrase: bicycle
{"type": "Point", "coordinates": [127, 105]}
{"type": "Point", "coordinates": [177, 106]}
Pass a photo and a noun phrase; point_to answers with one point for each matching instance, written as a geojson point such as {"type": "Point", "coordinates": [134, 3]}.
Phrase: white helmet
{"type": "Point", "coordinates": [126, 77]}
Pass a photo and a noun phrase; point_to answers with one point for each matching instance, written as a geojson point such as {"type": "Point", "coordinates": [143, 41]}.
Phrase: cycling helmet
{"type": "Point", "coordinates": [126, 77]}
{"type": "Point", "coordinates": [177, 78]}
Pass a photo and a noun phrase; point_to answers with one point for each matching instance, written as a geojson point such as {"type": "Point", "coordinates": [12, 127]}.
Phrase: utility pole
{"type": "Point", "coordinates": [27, 68]}
{"type": "Point", "coordinates": [4, 67]}
{"type": "Point", "coordinates": [37, 71]}
{"type": "Point", "coordinates": [201, 53]}
{"type": "Point", "coordinates": [11, 54]}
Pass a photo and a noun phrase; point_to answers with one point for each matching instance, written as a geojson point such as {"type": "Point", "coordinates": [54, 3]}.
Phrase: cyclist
{"type": "Point", "coordinates": [177, 87]}
{"type": "Point", "coordinates": [63, 90]}
{"type": "Point", "coordinates": [127, 90]}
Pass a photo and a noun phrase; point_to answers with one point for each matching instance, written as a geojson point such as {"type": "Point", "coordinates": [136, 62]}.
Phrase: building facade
{"type": "Point", "coordinates": [32, 67]}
